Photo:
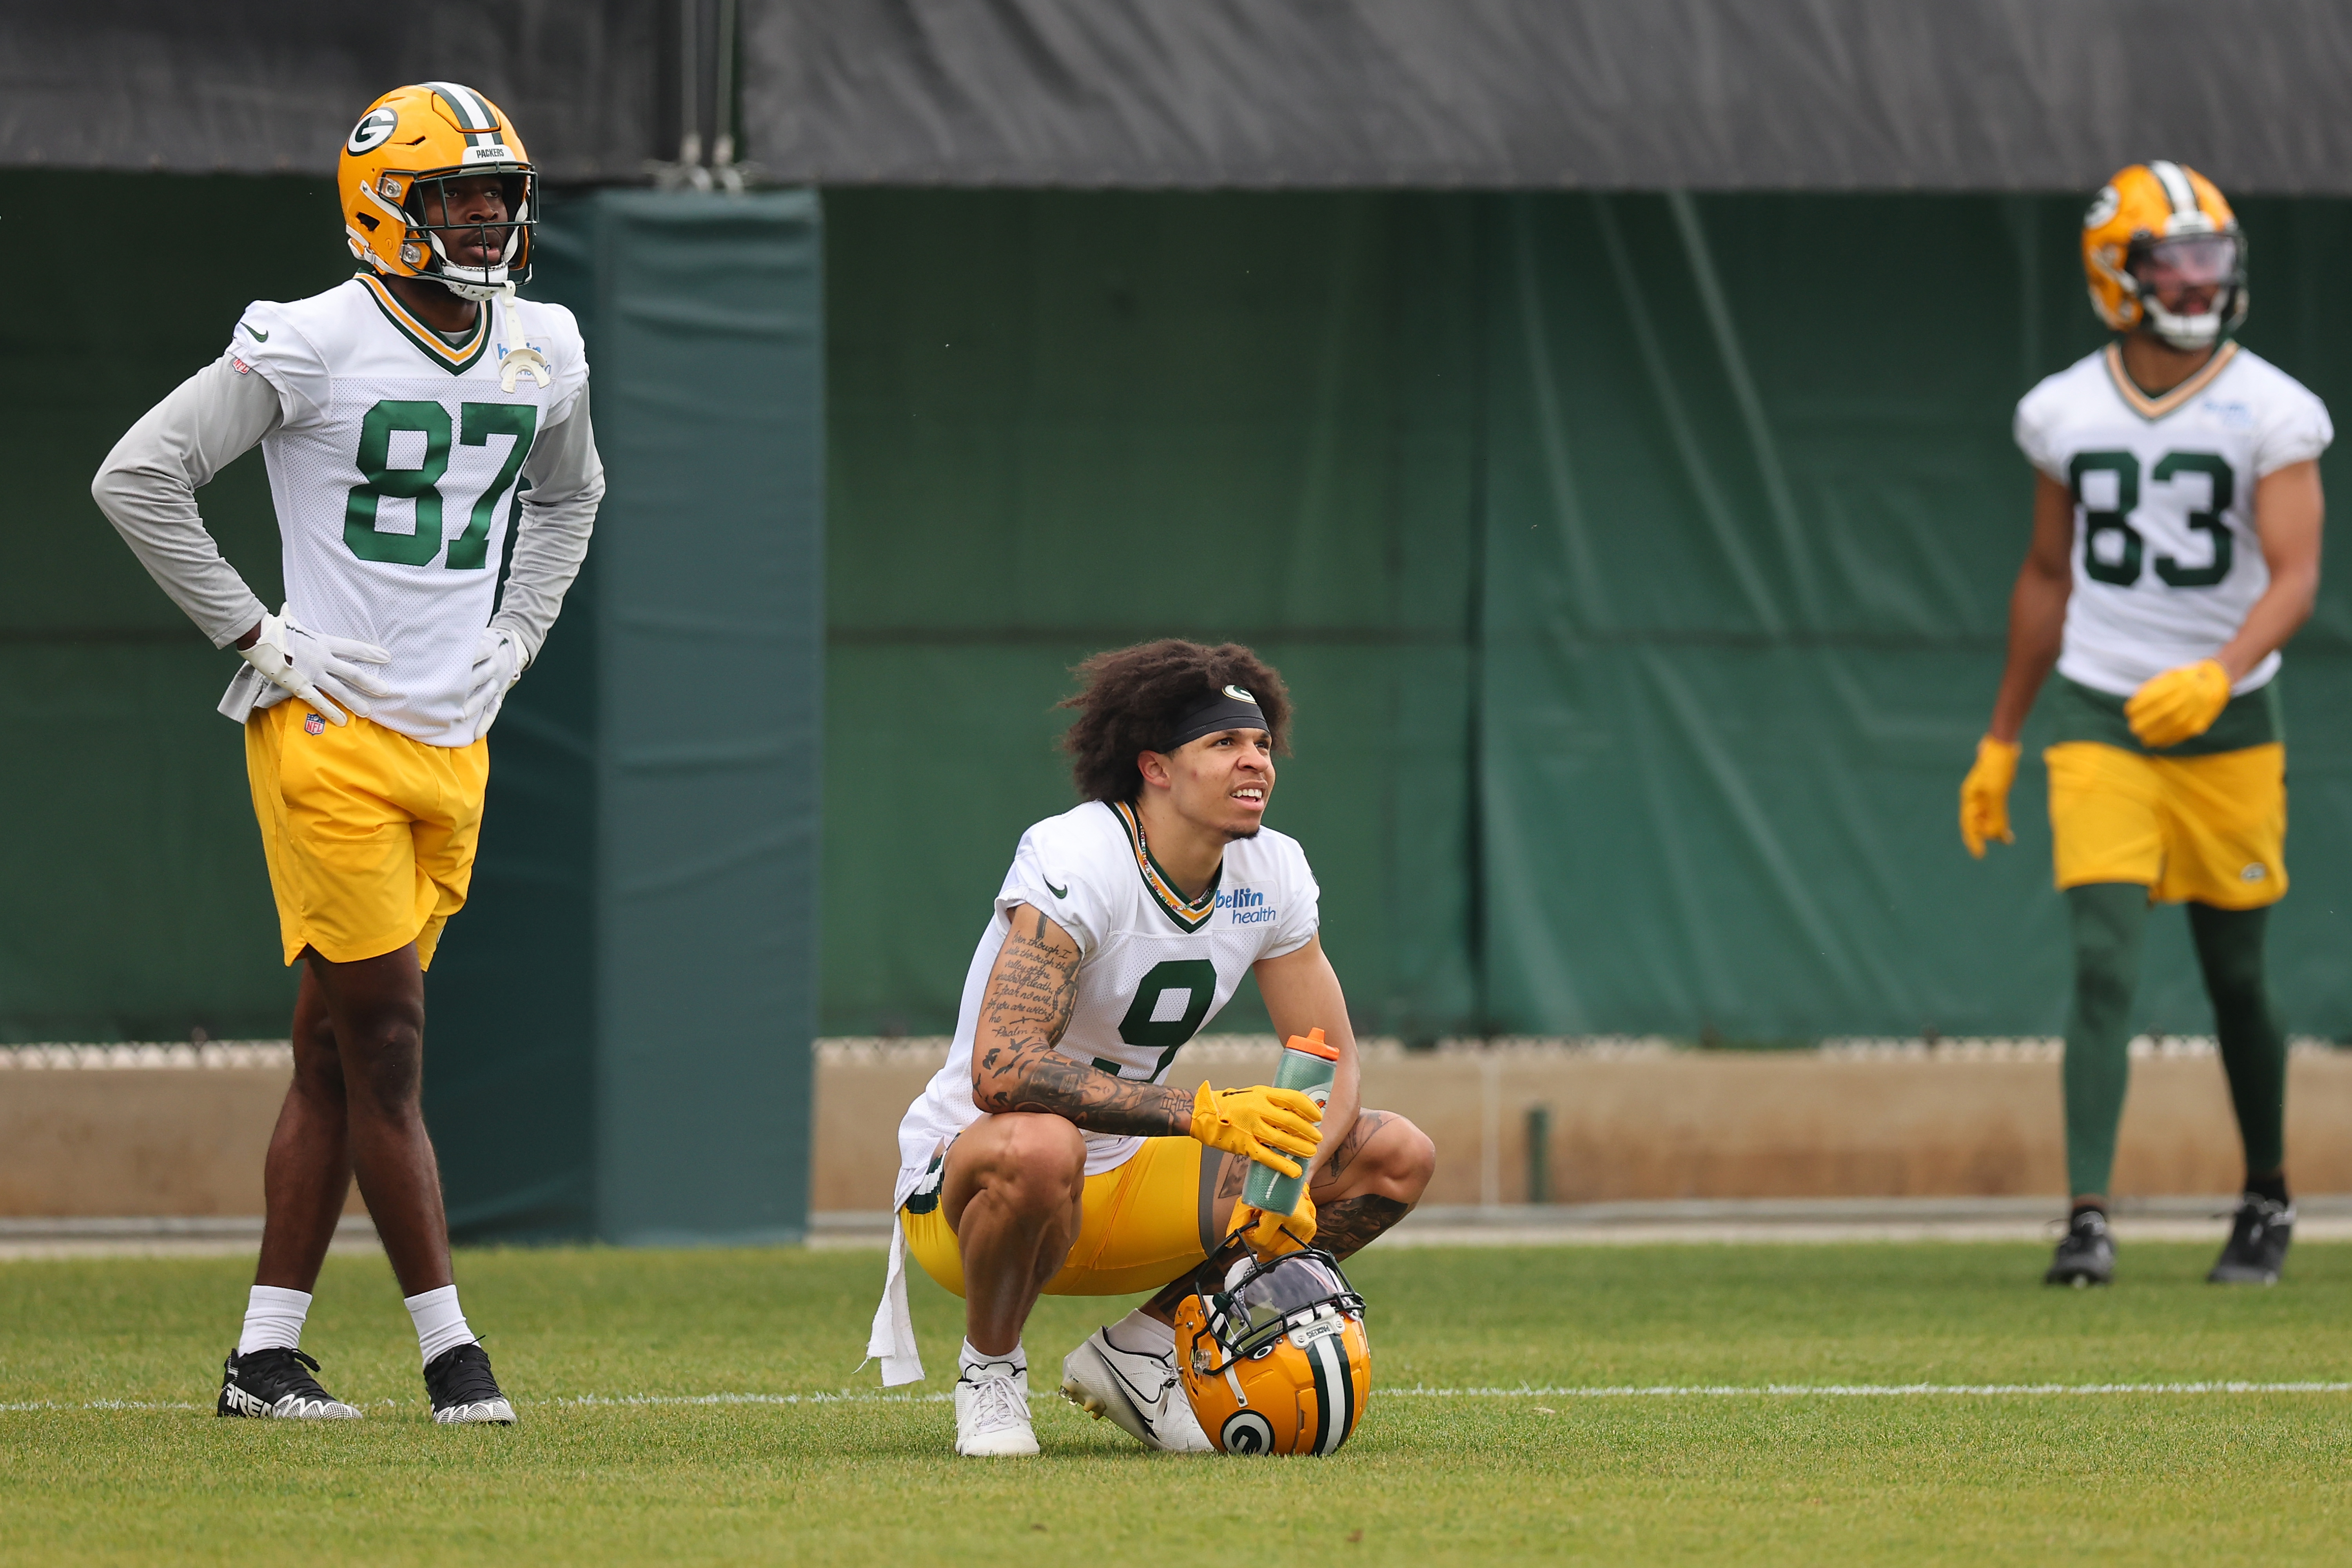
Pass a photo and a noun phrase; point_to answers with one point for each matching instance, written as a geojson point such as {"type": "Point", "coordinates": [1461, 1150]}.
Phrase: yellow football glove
{"type": "Point", "coordinates": [1264, 1124]}
{"type": "Point", "coordinates": [2180, 704]}
{"type": "Point", "coordinates": [1984, 795]}
{"type": "Point", "coordinates": [1271, 1236]}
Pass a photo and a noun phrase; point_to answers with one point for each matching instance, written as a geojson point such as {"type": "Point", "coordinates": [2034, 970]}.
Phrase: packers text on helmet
{"type": "Point", "coordinates": [2158, 236]}
{"type": "Point", "coordinates": [1278, 1361]}
{"type": "Point", "coordinates": [395, 184]}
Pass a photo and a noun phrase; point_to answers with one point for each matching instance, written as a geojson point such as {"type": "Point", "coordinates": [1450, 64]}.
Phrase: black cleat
{"type": "Point", "coordinates": [463, 1389]}
{"type": "Point", "coordinates": [2259, 1236]}
{"type": "Point", "coordinates": [276, 1383]}
{"type": "Point", "coordinates": [2087, 1253]}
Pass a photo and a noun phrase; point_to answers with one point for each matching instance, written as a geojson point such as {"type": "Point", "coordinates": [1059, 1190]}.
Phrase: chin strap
{"type": "Point", "coordinates": [519, 359]}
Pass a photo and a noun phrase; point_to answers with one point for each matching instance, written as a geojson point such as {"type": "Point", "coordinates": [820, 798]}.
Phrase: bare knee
{"type": "Point", "coordinates": [1032, 1163]}
{"type": "Point", "coordinates": [318, 1070]}
{"type": "Point", "coordinates": [383, 1067]}
{"type": "Point", "coordinates": [1384, 1154]}
{"type": "Point", "coordinates": [1407, 1160]}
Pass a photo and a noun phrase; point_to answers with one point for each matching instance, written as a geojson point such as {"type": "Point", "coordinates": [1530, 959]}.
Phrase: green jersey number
{"type": "Point", "coordinates": [477, 423]}
{"type": "Point", "coordinates": [2225, 487]}
{"type": "Point", "coordinates": [2125, 569]}
{"type": "Point", "coordinates": [1170, 1003]}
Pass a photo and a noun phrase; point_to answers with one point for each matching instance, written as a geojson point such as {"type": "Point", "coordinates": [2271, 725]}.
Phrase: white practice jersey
{"type": "Point", "coordinates": [394, 470]}
{"type": "Point", "coordinates": [2166, 561]}
{"type": "Point", "coordinates": [1153, 968]}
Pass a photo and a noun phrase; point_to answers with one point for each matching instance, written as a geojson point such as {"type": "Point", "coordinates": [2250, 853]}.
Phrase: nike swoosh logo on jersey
{"type": "Point", "coordinates": [258, 335]}
{"type": "Point", "coordinates": [1057, 892]}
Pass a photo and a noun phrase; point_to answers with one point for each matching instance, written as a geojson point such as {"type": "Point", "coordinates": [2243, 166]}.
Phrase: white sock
{"type": "Point", "coordinates": [273, 1319]}
{"type": "Point", "coordinates": [1140, 1331]}
{"type": "Point", "coordinates": [976, 1364]}
{"type": "Point", "coordinates": [440, 1321]}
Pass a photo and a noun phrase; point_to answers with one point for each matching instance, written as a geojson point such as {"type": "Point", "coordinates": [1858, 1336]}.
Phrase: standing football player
{"type": "Point", "coordinates": [2175, 546]}
{"type": "Point", "coordinates": [1051, 1154]}
{"type": "Point", "coordinates": [397, 413]}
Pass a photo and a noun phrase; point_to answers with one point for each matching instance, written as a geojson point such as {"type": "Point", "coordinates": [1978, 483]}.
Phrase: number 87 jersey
{"type": "Point", "coordinates": [2167, 562]}
{"type": "Point", "coordinates": [393, 467]}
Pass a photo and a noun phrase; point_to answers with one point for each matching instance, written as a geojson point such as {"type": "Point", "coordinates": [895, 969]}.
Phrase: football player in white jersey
{"type": "Point", "coordinates": [2176, 547]}
{"type": "Point", "coordinates": [397, 413]}
{"type": "Point", "coordinates": [1051, 1153]}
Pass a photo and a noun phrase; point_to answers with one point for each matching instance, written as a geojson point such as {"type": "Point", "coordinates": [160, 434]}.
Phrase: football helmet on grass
{"type": "Point", "coordinates": [1276, 1363]}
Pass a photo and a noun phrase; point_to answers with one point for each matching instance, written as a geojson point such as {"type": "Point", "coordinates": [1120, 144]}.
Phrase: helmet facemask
{"type": "Point", "coordinates": [507, 238]}
{"type": "Point", "coordinates": [2213, 261]}
{"type": "Point", "coordinates": [1262, 1301]}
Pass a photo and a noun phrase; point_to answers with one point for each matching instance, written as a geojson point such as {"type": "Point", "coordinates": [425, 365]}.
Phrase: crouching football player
{"type": "Point", "coordinates": [397, 412]}
{"type": "Point", "coordinates": [1051, 1153]}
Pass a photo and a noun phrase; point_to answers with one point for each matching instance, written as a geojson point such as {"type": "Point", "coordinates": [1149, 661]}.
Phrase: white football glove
{"type": "Point", "coordinates": [315, 666]}
{"type": "Point", "coordinates": [497, 665]}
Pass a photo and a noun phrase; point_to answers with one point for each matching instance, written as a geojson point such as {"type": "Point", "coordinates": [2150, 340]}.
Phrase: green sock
{"type": "Point", "coordinates": [2109, 919]}
{"type": "Point", "coordinates": [2254, 1046]}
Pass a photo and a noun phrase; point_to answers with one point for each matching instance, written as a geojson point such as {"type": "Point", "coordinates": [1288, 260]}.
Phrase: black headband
{"type": "Point", "coordinates": [1232, 707]}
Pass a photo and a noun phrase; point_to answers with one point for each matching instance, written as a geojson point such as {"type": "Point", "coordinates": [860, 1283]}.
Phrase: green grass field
{"type": "Point", "coordinates": [1756, 1477]}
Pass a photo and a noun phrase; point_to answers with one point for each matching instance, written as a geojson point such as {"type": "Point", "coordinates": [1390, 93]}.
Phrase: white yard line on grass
{"type": "Point", "coordinates": [1563, 1391]}
{"type": "Point", "coordinates": [1857, 1390]}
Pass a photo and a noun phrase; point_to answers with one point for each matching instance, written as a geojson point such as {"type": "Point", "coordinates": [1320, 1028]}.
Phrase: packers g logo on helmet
{"type": "Point", "coordinates": [396, 164]}
{"type": "Point", "coordinates": [2159, 223]}
{"type": "Point", "coordinates": [1278, 1361]}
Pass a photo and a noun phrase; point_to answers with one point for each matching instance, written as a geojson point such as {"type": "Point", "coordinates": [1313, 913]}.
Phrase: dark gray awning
{"type": "Point", "coordinates": [254, 86]}
{"type": "Point", "coordinates": [1723, 94]}
{"type": "Point", "coordinates": [1627, 94]}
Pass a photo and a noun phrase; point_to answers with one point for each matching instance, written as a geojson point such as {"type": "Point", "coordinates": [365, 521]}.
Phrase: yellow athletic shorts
{"type": "Point", "coordinates": [369, 835]}
{"type": "Point", "coordinates": [2211, 830]}
{"type": "Point", "coordinates": [1145, 1222]}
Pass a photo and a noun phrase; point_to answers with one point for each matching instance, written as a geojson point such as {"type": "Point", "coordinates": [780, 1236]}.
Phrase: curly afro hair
{"type": "Point", "coordinates": [1132, 697]}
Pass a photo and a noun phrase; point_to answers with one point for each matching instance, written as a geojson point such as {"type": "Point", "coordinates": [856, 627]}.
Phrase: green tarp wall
{"type": "Point", "coordinates": [619, 1020]}
{"type": "Point", "coordinates": [1640, 563]}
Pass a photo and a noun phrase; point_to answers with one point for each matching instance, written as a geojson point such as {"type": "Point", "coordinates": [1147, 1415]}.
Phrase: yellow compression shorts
{"type": "Point", "coordinates": [2211, 830]}
{"type": "Point", "coordinates": [1145, 1222]}
{"type": "Point", "coordinates": [370, 836]}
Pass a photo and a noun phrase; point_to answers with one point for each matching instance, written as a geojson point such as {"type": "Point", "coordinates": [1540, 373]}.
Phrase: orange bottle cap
{"type": "Point", "coordinates": [1314, 1045]}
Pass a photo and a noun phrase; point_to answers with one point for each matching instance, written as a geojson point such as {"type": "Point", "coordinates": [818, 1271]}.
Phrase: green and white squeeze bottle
{"type": "Point", "coordinates": [1307, 1066]}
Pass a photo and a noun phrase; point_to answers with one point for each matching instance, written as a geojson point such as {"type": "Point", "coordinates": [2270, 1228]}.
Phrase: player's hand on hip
{"type": "Point", "coordinates": [497, 665]}
{"type": "Point", "coordinates": [2178, 705]}
{"type": "Point", "coordinates": [1264, 1124]}
{"type": "Point", "coordinates": [1271, 1236]}
{"type": "Point", "coordinates": [1984, 795]}
{"type": "Point", "coordinates": [316, 668]}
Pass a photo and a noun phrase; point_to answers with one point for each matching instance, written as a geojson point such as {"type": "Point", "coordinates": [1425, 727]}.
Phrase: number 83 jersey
{"type": "Point", "coordinates": [1154, 966]}
{"type": "Point", "coordinates": [2165, 560]}
{"type": "Point", "coordinates": [393, 467]}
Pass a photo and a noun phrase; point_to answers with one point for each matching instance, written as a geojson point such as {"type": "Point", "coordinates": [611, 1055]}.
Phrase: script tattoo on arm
{"type": "Point", "coordinates": [1031, 992]}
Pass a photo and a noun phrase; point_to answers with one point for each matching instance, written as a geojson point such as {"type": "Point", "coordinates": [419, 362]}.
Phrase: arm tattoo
{"type": "Point", "coordinates": [1346, 1227]}
{"type": "Point", "coordinates": [1031, 992]}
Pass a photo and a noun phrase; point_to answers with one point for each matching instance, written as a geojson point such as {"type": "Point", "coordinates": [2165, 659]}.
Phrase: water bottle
{"type": "Point", "coordinates": [1307, 1066]}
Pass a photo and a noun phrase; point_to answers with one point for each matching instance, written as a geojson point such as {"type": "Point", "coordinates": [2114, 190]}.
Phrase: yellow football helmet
{"type": "Point", "coordinates": [2159, 224]}
{"type": "Point", "coordinates": [393, 175]}
{"type": "Point", "coordinates": [1278, 1361]}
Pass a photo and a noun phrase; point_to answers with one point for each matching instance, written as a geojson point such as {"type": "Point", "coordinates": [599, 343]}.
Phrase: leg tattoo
{"type": "Point", "coordinates": [1348, 1225]}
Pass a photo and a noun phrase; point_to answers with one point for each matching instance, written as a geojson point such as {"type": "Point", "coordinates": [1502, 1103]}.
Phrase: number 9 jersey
{"type": "Point", "coordinates": [393, 467]}
{"type": "Point", "coordinates": [1154, 966]}
{"type": "Point", "coordinates": [2167, 562]}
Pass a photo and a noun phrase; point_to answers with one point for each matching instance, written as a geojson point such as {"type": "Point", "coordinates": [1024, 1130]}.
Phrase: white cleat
{"type": "Point", "coordinates": [1138, 1389]}
{"type": "Point", "coordinates": [992, 1416]}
